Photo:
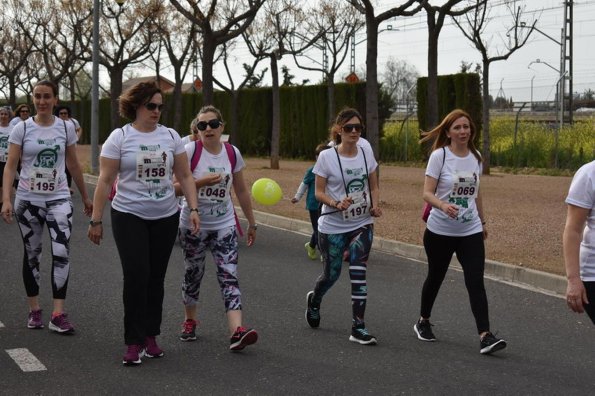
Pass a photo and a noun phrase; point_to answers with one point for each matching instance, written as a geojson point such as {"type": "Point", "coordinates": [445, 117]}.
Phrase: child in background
{"type": "Point", "coordinates": [312, 205]}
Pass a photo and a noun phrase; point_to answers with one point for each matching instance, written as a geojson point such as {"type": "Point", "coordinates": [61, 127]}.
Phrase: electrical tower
{"type": "Point", "coordinates": [566, 62]}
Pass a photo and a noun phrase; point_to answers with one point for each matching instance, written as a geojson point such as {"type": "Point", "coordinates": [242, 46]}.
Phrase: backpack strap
{"type": "Point", "coordinates": [196, 155]}
{"type": "Point", "coordinates": [231, 154]}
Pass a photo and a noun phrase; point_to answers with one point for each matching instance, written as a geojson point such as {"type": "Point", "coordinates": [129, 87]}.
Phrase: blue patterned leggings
{"type": "Point", "coordinates": [355, 247]}
{"type": "Point", "coordinates": [31, 218]}
{"type": "Point", "coordinates": [223, 245]}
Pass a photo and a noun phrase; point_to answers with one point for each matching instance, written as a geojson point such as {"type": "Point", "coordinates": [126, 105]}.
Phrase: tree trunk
{"type": "Point", "coordinates": [372, 84]}
{"type": "Point", "coordinates": [330, 88]}
{"type": "Point", "coordinates": [208, 54]}
{"type": "Point", "coordinates": [116, 74]}
{"type": "Point", "coordinates": [235, 111]}
{"type": "Point", "coordinates": [276, 122]}
{"type": "Point", "coordinates": [486, 118]}
{"type": "Point", "coordinates": [432, 98]}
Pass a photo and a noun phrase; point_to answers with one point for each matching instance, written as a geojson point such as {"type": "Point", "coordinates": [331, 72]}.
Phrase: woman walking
{"type": "Point", "coordinates": [143, 155]}
{"type": "Point", "coordinates": [456, 223]}
{"type": "Point", "coordinates": [347, 186]}
{"type": "Point", "coordinates": [45, 145]}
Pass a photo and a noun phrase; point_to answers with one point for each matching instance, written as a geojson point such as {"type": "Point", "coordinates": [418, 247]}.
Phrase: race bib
{"type": "Point", "coordinates": [219, 192]}
{"type": "Point", "coordinates": [466, 185]}
{"type": "Point", "coordinates": [359, 208]}
{"type": "Point", "coordinates": [151, 165]}
{"type": "Point", "coordinates": [43, 180]}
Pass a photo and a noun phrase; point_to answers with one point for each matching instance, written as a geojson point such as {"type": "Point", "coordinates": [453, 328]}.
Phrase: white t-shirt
{"type": "Point", "coordinates": [15, 121]}
{"type": "Point", "coordinates": [4, 134]}
{"type": "Point", "coordinates": [43, 159]}
{"type": "Point", "coordinates": [145, 187]}
{"type": "Point", "coordinates": [458, 184]}
{"type": "Point", "coordinates": [354, 182]}
{"type": "Point", "coordinates": [361, 142]}
{"type": "Point", "coordinates": [582, 194]}
{"type": "Point", "coordinates": [214, 202]}
{"type": "Point", "coordinates": [186, 139]}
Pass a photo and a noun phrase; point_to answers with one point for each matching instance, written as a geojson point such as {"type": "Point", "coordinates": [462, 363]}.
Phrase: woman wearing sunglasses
{"type": "Point", "coordinates": [22, 112]}
{"type": "Point", "coordinates": [347, 186]}
{"type": "Point", "coordinates": [218, 169]}
{"type": "Point", "coordinates": [144, 214]}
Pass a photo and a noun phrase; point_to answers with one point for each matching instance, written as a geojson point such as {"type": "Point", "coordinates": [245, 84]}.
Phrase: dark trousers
{"type": "Point", "coordinates": [590, 308]}
{"type": "Point", "coordinates": [471, 254]}
{"type": "Point", "coordinates": [144, 247]}
{"type": "Point", "coordinates": [314, 214]}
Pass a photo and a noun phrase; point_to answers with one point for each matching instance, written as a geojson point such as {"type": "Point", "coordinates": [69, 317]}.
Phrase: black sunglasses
{"type": "Point", "coordinates": [214, 124]}
{"type": "Point", "coordinates": [63, 113]}
{"type": "Point", "coordinates": [352, 127]}
{"type": "Point", "coordinates": [152, 106]}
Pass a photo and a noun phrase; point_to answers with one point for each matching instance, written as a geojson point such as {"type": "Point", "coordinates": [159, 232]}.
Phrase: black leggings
{"type": "Point", "coordinates": [590, 308]}
{"type": "Point", "coordinates": [471, 254]}
{"type": "Point", "coordinates": [314, 214]}
{"type": "Point", "coordinates": [144, 247]}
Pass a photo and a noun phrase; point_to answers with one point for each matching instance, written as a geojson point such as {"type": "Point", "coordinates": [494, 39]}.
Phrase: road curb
{"type": "Point", "coordinates": [543, 282]}
{"type": "Point", "coordinates": [519, 276]}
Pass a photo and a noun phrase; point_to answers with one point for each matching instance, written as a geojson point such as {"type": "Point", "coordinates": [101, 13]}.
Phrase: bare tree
{"type": "Point", "coordinates": [125, 39]}
{"type": "Point", "coordinates": [219, 24]}
{"type": "Point", "coordinates": [399, 79]}
{"type": "Point", "coordinates": [366, 7]}
{"type": "Point", "coordinates": [474, 29]}
{"type": "Point", "coordinates": [179, 39]}
{"type": "Point", "coordinates": [339, 22]}
{"type": "Point", "coordinates": [16, 48]}
{"type": "Point", "coordinates": [270, 37]}
{"type": "Point", "coordinates": [435, 15]}
{"type": "Point", "coordinates": [231, 88]}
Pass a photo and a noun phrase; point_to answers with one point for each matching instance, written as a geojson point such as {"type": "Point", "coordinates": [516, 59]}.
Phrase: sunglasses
{"type": "Point", "coordinates": [352, 127]}
{"type": "Point", "coordinates": [153, 106]}
{"type": "Point", "coordinates": [214, 124]}
{"type": "Point", "coordinates": [24, 111]}
{"type": "Point", "coordinates": [63, 113]}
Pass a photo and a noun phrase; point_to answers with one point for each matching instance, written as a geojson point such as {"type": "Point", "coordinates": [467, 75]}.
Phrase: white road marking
{"type": "Point", "coordinates": [1, 325]}
{"type": "Point", "coordinates": [25, 360]}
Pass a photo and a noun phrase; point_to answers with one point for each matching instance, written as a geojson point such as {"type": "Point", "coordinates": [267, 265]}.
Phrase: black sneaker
{"type": "Point", "coordinates": [360, 335]}
{"type": "Point", "coordinates": [423, 329]}
{"type": "Point", "coordinates": [188, 330]}
{"type": "Point", "coordinates": [490, 344]}
{"type": "Point", "coordinates": [312, 313]}
{"type": "Point", "coordinates": [242, 338]}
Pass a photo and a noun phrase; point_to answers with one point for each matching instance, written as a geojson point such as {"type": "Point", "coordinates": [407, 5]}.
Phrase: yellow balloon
{"type": "Point", "coordinates": [266, 191]}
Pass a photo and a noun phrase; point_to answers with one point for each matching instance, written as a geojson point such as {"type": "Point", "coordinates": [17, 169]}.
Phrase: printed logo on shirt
{"type": "Point", "coordinates": [47, 158]}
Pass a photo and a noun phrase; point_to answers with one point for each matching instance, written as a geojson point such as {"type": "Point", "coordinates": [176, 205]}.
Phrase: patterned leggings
{"type": "Point", "coordinates": [223, 245]}
{"type": "Point", "coordinates": [356, 244]}
{"type": "Point", "coordinates": [31, 217]}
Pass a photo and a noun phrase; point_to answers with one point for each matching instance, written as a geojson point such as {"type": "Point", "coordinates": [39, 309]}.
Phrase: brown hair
{"type": "Point", "coordinates": [342, 118]}
{"type": "Point", "coordinates": [20, 107]}
{"type": "Point", "coordinates": [439, 137]}
{"type": "Point", "coordinates": [210, 109]}
{"type": "Point", "coordinates": [47, 83]}
{"type": "Point", "coordinates": [136, 96]}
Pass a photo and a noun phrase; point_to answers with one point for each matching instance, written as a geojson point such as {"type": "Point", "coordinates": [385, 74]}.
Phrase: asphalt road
{"type": "Point", "coordinates": [550, 351]}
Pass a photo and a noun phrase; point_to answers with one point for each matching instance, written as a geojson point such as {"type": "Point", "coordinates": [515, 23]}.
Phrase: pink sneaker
{"type": "Point", "coordinates": [35, 321]}
{"type": "Point", "coordinates": [242, 338]}
{"type": "Point", "coordinates": [61, 324]}
{"type": "Point", "coordinates": [152, 350]}
{"type": "Point", "coordinates": [133, 355]}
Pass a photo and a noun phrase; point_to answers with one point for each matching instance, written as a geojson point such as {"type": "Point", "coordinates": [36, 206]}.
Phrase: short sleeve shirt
{"type": "Point", "coordinates": [352, 177]}
{"type": "Point", "coordinates": [458, 184]}
{"type": "Point", "coordinates": [43, 159]}
{"type": "Point", "coordinates": [214, 202]}
{"type": "Point", "coordinates": [145, 186]}
{"type": "Point", "coordinates": [582, 194]}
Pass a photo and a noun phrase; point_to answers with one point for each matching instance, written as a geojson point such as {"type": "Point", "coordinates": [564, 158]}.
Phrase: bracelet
{"type": "Point", "coordinates": [95, 223]}
{"type": "Point", "coordinates": [194, 210]}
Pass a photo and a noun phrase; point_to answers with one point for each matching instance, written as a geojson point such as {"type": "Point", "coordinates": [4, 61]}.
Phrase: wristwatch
{"type": "Point", "coordinates": [253, 226]}
{"type": "Point", "coordinates": [194, 210]}
{"type": "Point", "coordinates": [95, 223]}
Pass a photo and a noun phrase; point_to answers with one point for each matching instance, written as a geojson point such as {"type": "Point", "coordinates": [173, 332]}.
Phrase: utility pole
{"type": "Point", "coordinates": [566, 59]}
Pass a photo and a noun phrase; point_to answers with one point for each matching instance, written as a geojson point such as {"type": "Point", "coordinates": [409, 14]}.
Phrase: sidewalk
{"type": "Point", "coordinates": [554, 285]}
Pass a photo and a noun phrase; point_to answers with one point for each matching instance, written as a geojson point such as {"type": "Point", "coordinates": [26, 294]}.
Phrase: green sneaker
{"type": "Point", "coordinates": [311, 251]}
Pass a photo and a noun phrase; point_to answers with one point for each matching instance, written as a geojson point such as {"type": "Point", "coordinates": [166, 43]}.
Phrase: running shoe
{"type": "Point", "coordinates": [312, 312]}
{"type": "Point", "coordinates": [490, 344]}
{"type": "Point", "coordinates": [188, 330]}
{"type": "Point", "coordinates": [311, 251]}
{"type": "Point", "coordinates": [152, 350]}
{"type": "Point", "coordinates": [423, 329]}
{"type": "Point", "coordinates": [61, 324]}
{"type": "Point", "coordinates": [35, 321]}
{"type": "Point", "coordinates": [133, 355]}
{"type": "Point", "coordinates": [242, 338]}
{"type": "Point", "coordinates": [360, 335]}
